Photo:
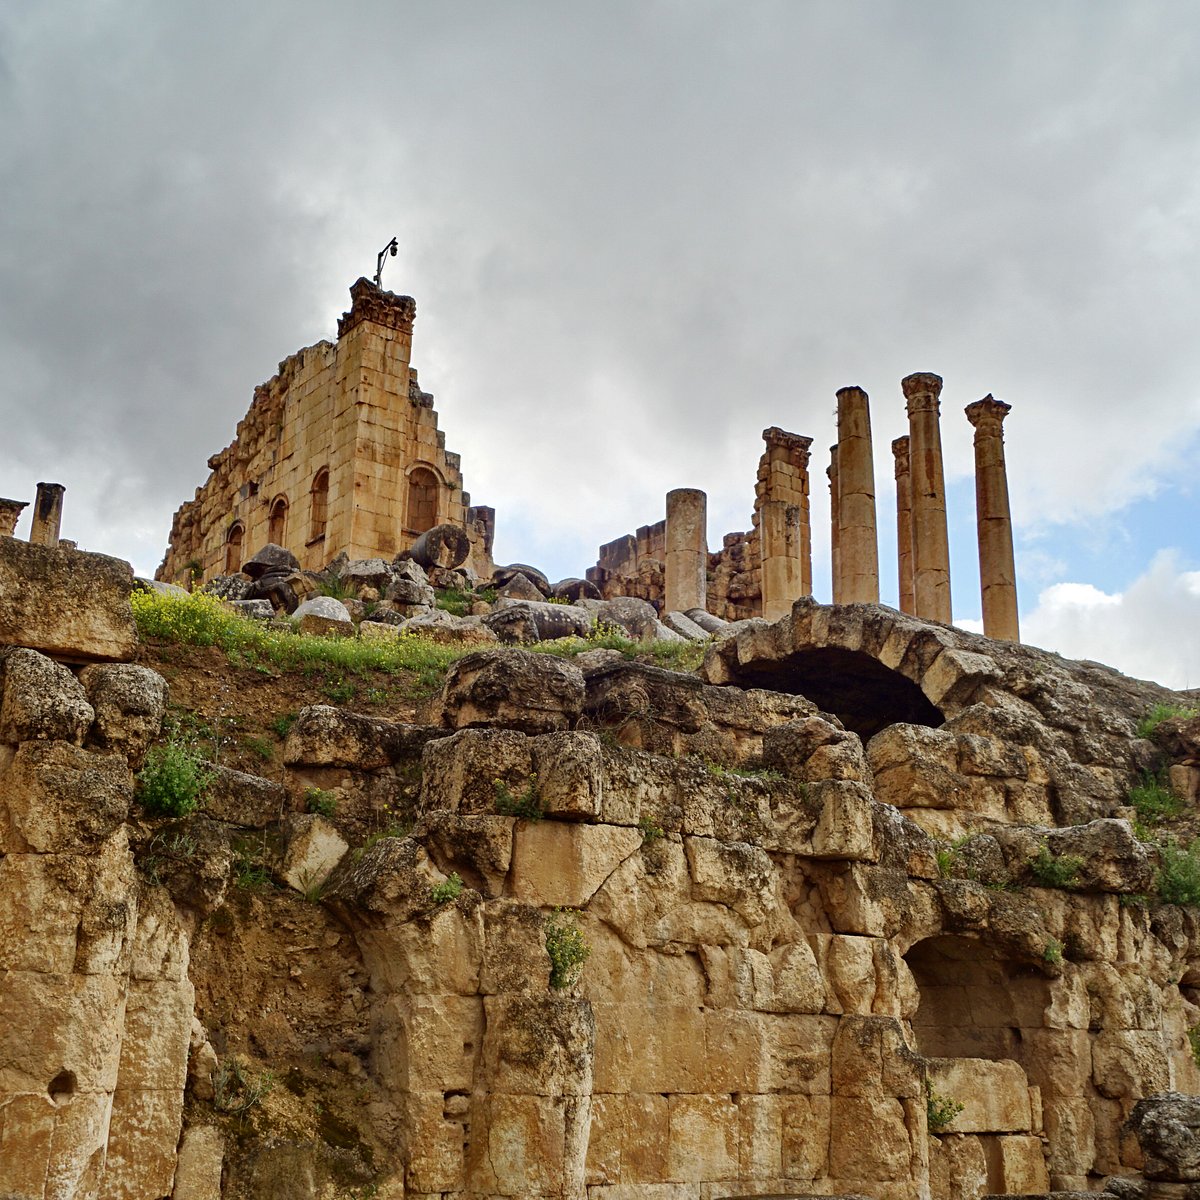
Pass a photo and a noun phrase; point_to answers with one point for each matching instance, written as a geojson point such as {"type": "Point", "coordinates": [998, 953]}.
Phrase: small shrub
{"type": "Point", "coordinates": [940, 1110]}
{"type": "Point", "coordinates": [455, 601]}
{"type": "Point", "coordinates": [567, 947]}
{"type": "Point", "coordinates": [260, 747]}
{"type": "Point", "coordinates": [946, 858]}
{"type": "Point", "coordinates": [1154, 801]}
{"type": "Point", "coordinates": [651, 831]}
{"type": "Point", "coordinates": [449, 889]}
{"type": "Point", "coordinates": [238, 1088]}
{"type": "Point", "coordinates": [173, 779]}
{"type": "Point", "coordinates": [337, 588]}
{"type": "Point", "coordinates": [1160, 713]}
{"type": "Point", "coordinates": [527, 805]}
{"type": "Point", "coordinates": [249, 873]}
{"type": "Point", "coordinates": [321, 802]}
{"type": "Point", "coordinates": [1052, 953]}
{"type": "Point", "coordinates": [1193, 1036]}
{"type": "Point", "coordinates": [1179, 875]}
{"type": "Point", "coordinates": [340, 690]}
{"type": "Point", "coordinates": [1055, 870]}
{"type": "Point", "coordinates": [281, 726]}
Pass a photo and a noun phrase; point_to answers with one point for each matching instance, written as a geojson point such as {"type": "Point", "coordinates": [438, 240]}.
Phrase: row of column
{"type": "Point", "coordinates": [47, 515]}
{"type": "Point", "coordinates": [923, 547]}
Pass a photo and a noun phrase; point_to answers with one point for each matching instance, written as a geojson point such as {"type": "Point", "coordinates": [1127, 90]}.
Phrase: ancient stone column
{"type": "Point", "coordinates": [857, 545]}
{"type": "Point", "coordinates": [782, 518]}
{"type": "Point", "coordinates": [47, 514]}
{"type": "Point", "coordinates": [686, 556]}
{"type": "Point", "coordinates": [904, 524]}
{"type": "Point", "coordinates": [997, 569]}
{"type": "Point", "coordinates": [931, 543]}
{"type": "Point", "coordinates": [10, 514]}
{"type": "Point", "coordinates": [835, 527]}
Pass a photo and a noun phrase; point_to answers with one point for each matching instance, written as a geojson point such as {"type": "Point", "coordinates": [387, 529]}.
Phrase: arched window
{"type": "Point", "coordinates": [233, 548]}
{"type": "Point", "coordinates": [422, 500]}
{"type": "Point", "coordinates": [277, 526]}
{"type": "Point", "coordinates": [320, 504]}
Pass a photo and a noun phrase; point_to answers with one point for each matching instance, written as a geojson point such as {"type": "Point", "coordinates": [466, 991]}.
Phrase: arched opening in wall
{"type": "Point", "coordinates": [865, 695]}
{"type": "Point", "coordinates": [277, 524]}
{"type": "Point", "coordinates": [975, 1004]}
{"type": "Point", "coordinates": [233, 548]}
{"type": "Point", "coordinates": [421, 510]}
{"type": "Point", "coordinates": [320, 504]}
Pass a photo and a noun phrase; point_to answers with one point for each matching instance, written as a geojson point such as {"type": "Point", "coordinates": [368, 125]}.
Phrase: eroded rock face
{"type": "Point", "coordinates": [531, 692]}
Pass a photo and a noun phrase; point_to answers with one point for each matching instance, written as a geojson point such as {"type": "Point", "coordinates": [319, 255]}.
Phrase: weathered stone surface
{"type": "Point", "coordinates": [324, 616]}
{"type": "Point", "coordinates": [561, 865]}
{"type": "Point", "coordinates": [241, 799]}
{"type": "Point", "coordinates": [65, 603]}
{"type": "Point", "coordinates": [313, 848]}
{"type": "Point", "coordinates": [531, 692]}
{"type": "Point", "coordinates": [524, 621]}
{"type": "Point", "coordinates": [326, 736]}
{"type": "Point", "coordinates": [1167, 1127]}
{"type": "Point", "coordinates": [129, 702]}
{"type": "Point", "coordinates": [198, 1171]}
{"type": "Point", "coordinates": [269, 560]}
{"type": "Point", "coordinates": [41, 700]}
{"type": "Point", "coordinates": [994, 1095]}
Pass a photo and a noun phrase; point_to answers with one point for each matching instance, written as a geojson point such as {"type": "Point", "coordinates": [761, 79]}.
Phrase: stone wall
{"type": "Point", "coordinates": [340, 451]}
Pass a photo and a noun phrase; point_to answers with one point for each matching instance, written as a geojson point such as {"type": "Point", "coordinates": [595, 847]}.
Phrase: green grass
{"type": "Point", "coordinates": [527, 805]}
{"type": "Point", "coordinates": [173, 779]}
{"type": "Point", "coordinates": [203, 620]}
{"type": "Point", "coordinates": [455, 601]}
{"type": "Point", "coordinates": [1160, 713]}
{"type": "Point", "coordinates": [1179, 875]}
{"type": "Point", "coordinates": [1055, 870]}
{"type": "Point", "coordinates": [1154, 801]}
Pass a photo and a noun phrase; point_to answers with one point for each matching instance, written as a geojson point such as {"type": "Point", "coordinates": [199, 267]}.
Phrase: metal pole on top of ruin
{"type": "Point", "coordinates": [392, 248]}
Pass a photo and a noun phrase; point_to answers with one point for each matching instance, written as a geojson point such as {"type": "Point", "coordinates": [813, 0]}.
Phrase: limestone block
{"type": "Point", "coordinates": [324, 736]}
{"type": "Point", "coordinates": [805, 1136]}
{"type": "Point", "coordinates": [77, 1146]}
{"type": "Point", "coordinates": [59, 798]}
{"type": "Point", "coordinates": [636, 785]}
{"type": "Point", "coordinates": [84, 1038]}
{"type": "Point", "coordinates": [430, 1043]}
{"type": "Point", "coordinates": [241, 799]}
{"type": "Point", "coordinates": [760, 1137]}
{"type": "Point", "coordinates": [738, 977]}
{"type": "Point", "coordinates": [556, 864]}
{"type": "Point", "coordinates": [313, 848]}
{"type": "Point", "coordinates": [1112, 857]}
{"type": "Point", "coordinates": [799, 984]}
{"type": "Point", "coordinates": [870, 1057]}
{"type": "Point", "coordinates": [813, 748]}
{"type": "Point", "coordinates": [142, 1138]}
{"type": "Point", "coordinates": [479, 847]}
{"type": "Point", "coordinates": [26, 1129]}
{"type": "Point", "coordinates": [736, 874]}
{"type": "Point", "coordinates": [846, 827]}
{"type": "Point", "coordinates": [518, 1146]}
{"type": "Point", "coordinates": [160, 944]}
{"type": "Point", "coordinates": [1128, 1064]}
{"type": "Point", "coordinates": [703, 1136]}
{"type": "Point", "coordinates": [916, 767]}
{"type": "Point", "coordinates": [459, 773]}
{"type": "Point", "coordinates": [795, 1053]}
{"type": "Point", "coordinates": [324, 616]}
{"type": "Point", "coordinates": [40, 700]}
{"type": "Point", "coordinates": [994, 1095]}
{"type": "Point", "coordinates": [683, 625]}
{"type": "Point", "coordinates": [958, 1167]}
{"type": "Point", "coordinates": [539, 1045]}
{"type": "Point", "coordinates": [156, 1037]}
{"type": "Point", "coordinates": [379, 631]}
{"type": "Point", "coordinates": [606, 1138]}
{"type": "Point", "coordinates": [655, 1046]}
{"type": "Point", "coordinates": [198, 1170]}
{"type": "Point", "coordinates": [1070, 1138]}
{"type": "Point", "coordinates": [65, 603]}
{"type": "Point", "coordinates": [956, 675]}
{"type": "Point", "coordinates": [514, 957]}
{"type": "Point", "coordinates": [1016, 1165]}
{"type": "Point", "coordinates": [868, 1139]}
{"type": "Point", "coordinates": [390, 882]}
{"type": "Point", "coordinates": [982, 755]}
{"type": "Point", "coordinates": [435, 1159]}
{"type": "Point", "coordinates": [129, 702]}
{"type": "Point", "coordinates": [570, 774]}
{"type": "Point", "coordinates": [39, 916]}
{"type": "Point", "coordinates": [512, 688]}
{"type": "Point", "coordinates": [850, 968]}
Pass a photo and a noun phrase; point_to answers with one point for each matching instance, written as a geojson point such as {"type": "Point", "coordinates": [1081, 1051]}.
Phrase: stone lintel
{"type": "Point", "coordinates": [987, 411]}
{"type": "Point", "coordinates": [369, 303]}
{"type": "Point", "coordinates": [922, 390]}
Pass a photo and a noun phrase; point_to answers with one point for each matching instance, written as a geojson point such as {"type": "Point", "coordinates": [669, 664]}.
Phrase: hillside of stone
{"type": "Point", "coordinates": [865, 906]}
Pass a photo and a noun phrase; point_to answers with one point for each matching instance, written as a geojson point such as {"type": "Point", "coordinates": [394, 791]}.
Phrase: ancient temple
{"type": "Point", "coordinates": [340, 451]}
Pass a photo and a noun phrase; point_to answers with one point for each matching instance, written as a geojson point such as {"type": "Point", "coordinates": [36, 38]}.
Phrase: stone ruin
{"type": "Point", "coordinates": [866, 910]}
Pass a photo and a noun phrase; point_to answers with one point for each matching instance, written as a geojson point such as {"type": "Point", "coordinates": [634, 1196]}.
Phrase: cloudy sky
{"type": "Point", "coordinates": [637, 233]}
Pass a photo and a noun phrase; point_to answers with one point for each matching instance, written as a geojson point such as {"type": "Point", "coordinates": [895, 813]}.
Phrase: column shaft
{"type": "Point", "coordinates": [904, 537]}
{"type": "Point", "coordinates": [686, 555]}
{"type": "Point", "coordinates": [47, 514]}
{"type": "Point", "coordinates": [782, 519]}
{"type": "Point", "coordinates": [858, 547]}
{"type": "Point", "coordinates": [835, 528]}
{"type": "Point", "coordinates": [931, 542]}
{"type": "Point", "coordinates": [997, 567]}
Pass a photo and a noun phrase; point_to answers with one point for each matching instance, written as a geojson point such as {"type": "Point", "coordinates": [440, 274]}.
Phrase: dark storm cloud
{"type": "Point", "coordinates": [637, 234]}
